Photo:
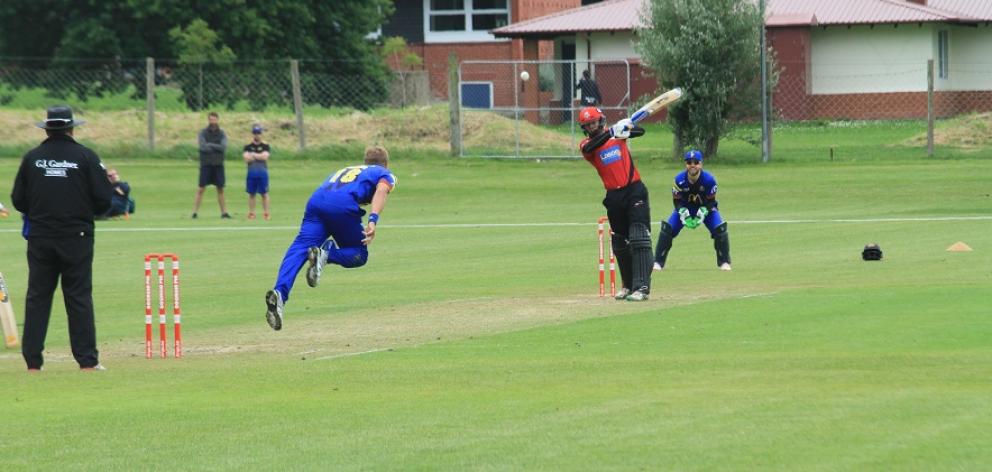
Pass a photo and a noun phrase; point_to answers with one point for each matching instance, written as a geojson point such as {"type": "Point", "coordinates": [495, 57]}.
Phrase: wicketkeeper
{"type": "Point", "coordinates": [626, 199]}
{"type": "Point", "coordinates": [694, 196]}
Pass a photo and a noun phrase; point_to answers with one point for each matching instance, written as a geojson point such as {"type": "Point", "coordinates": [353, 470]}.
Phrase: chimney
{"type": "Point", "coordinates": [918, 2]}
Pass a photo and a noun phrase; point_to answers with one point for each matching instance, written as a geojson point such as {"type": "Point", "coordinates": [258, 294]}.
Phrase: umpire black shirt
{"type": "Point", "coordinates": [60, 186]}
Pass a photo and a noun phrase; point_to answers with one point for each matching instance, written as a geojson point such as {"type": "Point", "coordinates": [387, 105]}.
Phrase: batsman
{"type": "Point", "coordinates": [694, 197]}
{"type": "Point", "coordinates": [626, 199]}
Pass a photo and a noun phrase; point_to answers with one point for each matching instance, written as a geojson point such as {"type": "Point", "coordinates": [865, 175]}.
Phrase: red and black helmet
{"type": "Point", "coordinates": [589, 115]}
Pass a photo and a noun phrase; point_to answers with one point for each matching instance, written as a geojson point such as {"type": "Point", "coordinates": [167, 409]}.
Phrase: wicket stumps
{"type": "Point", "coordinates": [606, 246]}
{"type": "Point", "coordinates": [176, 315]}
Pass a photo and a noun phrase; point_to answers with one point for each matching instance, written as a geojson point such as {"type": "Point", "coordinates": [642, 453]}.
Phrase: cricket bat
{"type": "Point", "coordinates": [659, 102]}
{"type": "Point", "coordinates": [7, 316]}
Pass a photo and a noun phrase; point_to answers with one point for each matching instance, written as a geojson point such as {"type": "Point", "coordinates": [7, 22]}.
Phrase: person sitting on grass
{"type": "Point", "coordinates": [121, 203]}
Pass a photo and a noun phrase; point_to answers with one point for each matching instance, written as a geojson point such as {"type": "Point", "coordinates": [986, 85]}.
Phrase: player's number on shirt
{"type": "Point", "coordinates": [347, 175]}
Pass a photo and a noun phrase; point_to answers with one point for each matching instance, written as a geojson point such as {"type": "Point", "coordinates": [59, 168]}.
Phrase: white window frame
{"type": "Point", "coordinates": [943, 53]}
{"type": "Point", "coordinates": [469, 35]}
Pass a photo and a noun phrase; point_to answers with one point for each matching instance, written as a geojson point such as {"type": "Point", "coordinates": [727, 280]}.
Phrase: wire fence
{"type": "Point", "coordinates": [802, 92]}
{"type": "Point", "coordinates": [539, 100]}
{"type": "Point", "coordinates": [287, 86]}
{"type": "Point", "coordinates": [882, 91]}
{"type": "Point", "coordinates": [535, 102]}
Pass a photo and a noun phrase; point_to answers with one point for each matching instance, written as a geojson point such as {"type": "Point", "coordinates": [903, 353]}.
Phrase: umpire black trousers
{"type": "Point", "coordinates": [48, 260]}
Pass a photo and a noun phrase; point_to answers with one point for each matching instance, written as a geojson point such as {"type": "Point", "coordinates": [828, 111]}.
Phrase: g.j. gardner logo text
{"type": "Point", "coordinates": [55, 168]}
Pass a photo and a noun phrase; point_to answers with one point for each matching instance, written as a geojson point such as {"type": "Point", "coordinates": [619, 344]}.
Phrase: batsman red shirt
{"type": "Point", "coordinates": [612, 161]}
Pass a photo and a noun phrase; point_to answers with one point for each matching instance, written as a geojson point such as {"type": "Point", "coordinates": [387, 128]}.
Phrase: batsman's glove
{"type": "Point", "coordinates": [621, 129]}
{"type": "Point", "coordinates": [683, 214]}
{"type": "Point", "coordinates": [872, 252]}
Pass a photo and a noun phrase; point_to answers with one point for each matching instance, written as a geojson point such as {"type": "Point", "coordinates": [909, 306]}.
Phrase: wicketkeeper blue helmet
{"type": "Point", "coordinates": [694, 154]}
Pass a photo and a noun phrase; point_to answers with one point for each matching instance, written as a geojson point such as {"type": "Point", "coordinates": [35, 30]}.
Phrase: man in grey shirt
{"type": "Point", "coordinates": [213, 144]}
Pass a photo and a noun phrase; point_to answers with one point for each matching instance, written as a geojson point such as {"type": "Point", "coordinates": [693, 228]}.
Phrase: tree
{"type": "Point", "coordinates": [200, 47]}
{"type": "Point", "coordinates": [329, 37]}
{"type": "Point", "coordinates": [711, 49]}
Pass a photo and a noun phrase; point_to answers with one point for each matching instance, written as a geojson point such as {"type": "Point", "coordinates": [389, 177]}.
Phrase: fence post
{"type": "Point", "coordinates": [294, 72]}
{"type": "Point", "coordinates": [766, 129]}
{"type": "Point", "coordinates": [930, 116]}
{"type": "Point", "coordinates": [200, 96]}
{"type": "Point", "coordinates": [150, 100]}
{"type": "Point", "coordinates": [454, 105]}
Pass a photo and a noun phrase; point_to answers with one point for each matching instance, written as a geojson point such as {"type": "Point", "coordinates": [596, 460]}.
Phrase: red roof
{"type": "Point", "coordinates": [611, 15]}
{"type": "Point", "coordinates": [625, 15]}
{"type": "Point", "coordinates": [853, 12]}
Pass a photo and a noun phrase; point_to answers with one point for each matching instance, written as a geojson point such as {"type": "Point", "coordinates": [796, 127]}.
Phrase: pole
{"type": "Point", "coordinates": [150, 100]}
{"type": "Point", "coordinates": [454, 105]}
{"type": "Point", "coordinates": [294, 72]}
{"type": "Point", "coordinates": [930, 113]}
{"type": "Point", "coordinates": [765, 130]}
{"type": "Point", "coordinates": [516, 109]}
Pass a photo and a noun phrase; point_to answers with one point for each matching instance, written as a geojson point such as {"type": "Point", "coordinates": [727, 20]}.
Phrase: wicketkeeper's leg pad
{"type": "Point", "coordinates": [721, 243]}
{"type": "Point", "coordinates": [664, 243]}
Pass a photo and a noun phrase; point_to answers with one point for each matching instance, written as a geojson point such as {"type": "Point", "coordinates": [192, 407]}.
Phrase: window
{"type": "Point", "coordinates": [942, 56]}
{"type": "Point", "coordinates": [464, 20]}
{"type": "Point", "coordinates": [477, 94]}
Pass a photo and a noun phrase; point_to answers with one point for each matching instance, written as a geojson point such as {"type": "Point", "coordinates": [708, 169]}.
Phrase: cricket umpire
{"type": "Point", "coordinates": [626, 199]}
{"type": "Point", "coordinates": [59, 187]}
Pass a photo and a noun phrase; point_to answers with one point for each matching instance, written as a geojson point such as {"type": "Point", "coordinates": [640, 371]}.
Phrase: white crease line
{"type": "Point", "coordinates": [529, 225]}
{"type": "Point", "coordinates": [350, 354]}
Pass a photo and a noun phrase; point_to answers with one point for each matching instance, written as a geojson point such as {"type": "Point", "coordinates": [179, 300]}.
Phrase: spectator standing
{"type": "Point", "coordinates": [213, 144]}
{"type": "Point", "coordinates": [59, 187]}
{"type": "Point", "coordinates": [256, 155]}
{"type": "Point", "coordinates": [589, 89]}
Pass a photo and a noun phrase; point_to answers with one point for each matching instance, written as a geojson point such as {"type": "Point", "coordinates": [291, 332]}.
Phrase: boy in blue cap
{"type": "Point", "coordinates": [256, 155]}
{"type": "Point", "coordinates": [694, 196]}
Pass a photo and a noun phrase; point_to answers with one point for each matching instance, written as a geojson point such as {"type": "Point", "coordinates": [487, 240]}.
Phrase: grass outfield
{"type": "Point", "coordinates": [473, 339]}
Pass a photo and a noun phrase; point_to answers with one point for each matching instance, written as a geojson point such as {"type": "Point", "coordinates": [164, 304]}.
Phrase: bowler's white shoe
{"type": "Point", "coordinates": [273, 313]}
{"type": "Point", "coordinates": [316, 256]}
{"type": "Point", "coordinates": [725, 266]}
{"type": "Point", "coordinates": [622, 293]}
{"type": "Point", "coordinates": [657, 266]}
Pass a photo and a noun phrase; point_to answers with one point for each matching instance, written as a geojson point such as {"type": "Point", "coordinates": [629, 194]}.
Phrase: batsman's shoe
{"type": "Point", "coordinates": [657, 266]}
{"type": "Point", "coordinates": [96, 368]}
{"type": "Point", "coordinates": [622, 294]}
{"type": "Point", "coordinates": [316, 256]}
{"type": "Point", "coordinates": [273, 313]}
{"type": "Point", "coordinates": [637, 296]}
{"type": "Point", "coordinates": [725, 266]}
